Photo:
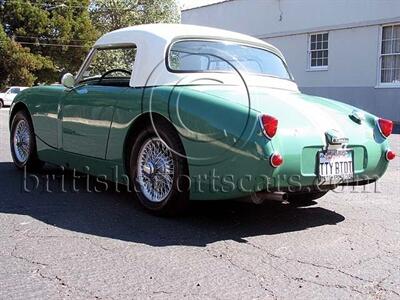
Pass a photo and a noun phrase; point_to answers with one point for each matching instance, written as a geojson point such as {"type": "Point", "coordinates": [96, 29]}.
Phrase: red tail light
{"type": "Point", "coordinates": [269, 125]}
{"type": "Point", "coordinates": [390, 155]}
{"type": "Point", "coordinates": [276, 160]}
{"type": "Point", "coordinates": [385, 127]}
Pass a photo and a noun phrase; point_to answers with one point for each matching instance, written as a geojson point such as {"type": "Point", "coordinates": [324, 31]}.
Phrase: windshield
{"type": "Point", "coordinates": [220, 56]}
{"type": "Point", "coordinates": [3, 90]}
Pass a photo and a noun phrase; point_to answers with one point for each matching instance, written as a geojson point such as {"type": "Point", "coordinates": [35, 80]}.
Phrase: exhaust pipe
{"type": "Point", "coordinates": [260, 197]}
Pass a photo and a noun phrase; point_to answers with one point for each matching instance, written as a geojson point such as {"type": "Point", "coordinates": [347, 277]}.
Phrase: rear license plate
{"type": "Point", "coordinates": [335, 166]}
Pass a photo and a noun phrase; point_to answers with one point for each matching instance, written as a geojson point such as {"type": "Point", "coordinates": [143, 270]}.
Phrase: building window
{"type": "Point", "coordinates": [318, 51]}
{"type": "Point", "coordinates": [390, 55]}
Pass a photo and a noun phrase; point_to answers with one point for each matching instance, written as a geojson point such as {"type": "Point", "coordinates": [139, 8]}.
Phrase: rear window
{"type": "Point", "coordinates": [220, 56]}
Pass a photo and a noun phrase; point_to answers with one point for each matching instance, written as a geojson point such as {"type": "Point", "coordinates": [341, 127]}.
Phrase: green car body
{"type": "Point", "coordinates": [91, 130]}
{"type": "Point", "coordinates": [88, 128]}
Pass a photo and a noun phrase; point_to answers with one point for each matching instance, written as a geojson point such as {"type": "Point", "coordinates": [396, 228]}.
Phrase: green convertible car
{"type": "Point", "coordinates": [180, 112]}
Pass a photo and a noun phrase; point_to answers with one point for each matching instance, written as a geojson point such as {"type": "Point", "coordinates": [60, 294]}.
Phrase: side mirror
{"type": "Point", "coordinates": [68, 80]}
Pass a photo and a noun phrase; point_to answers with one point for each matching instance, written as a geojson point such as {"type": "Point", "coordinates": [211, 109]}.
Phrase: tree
{"type": "Point", "coordinates": [18, 64]}
{"type": "Point", "coordinates": [59, 31]}
{"type": "Point", "coordinates": [108, 15]}
{"type": "Point", "coordinates": [43, 38]}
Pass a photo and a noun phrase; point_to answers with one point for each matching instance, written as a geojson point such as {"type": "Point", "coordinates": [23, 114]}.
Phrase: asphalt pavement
{"type": "Point", "coordinates": [88, 245]}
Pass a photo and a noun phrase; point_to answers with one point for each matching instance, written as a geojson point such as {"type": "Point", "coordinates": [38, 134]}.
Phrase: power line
{"type": "Point", "coordinates": [46, 38]}
{"type": "Point", "coordinates": [138, 7]}
{"type": "Point", "coordinates": [56, 5]}
{"type": "Point", "coordinates": [53, 45]}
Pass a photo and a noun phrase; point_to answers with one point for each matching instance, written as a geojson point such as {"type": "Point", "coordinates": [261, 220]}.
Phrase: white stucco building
{"type": "Point", "coordinates": [347, 50]}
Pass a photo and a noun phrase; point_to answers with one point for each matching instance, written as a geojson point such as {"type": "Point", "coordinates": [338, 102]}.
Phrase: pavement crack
{"type": "Point", "coordinates": [246, 270]}
{"type": "Point", "coordinates": [331, 268]}
{"type": "Point", "coordinates": [162, 292]}
{"type": "Point", "coordinates": [337, 286]}
{"type": "Point", "coordinates": [60, 282]}
{"type": "Point", "coordinates": [13, 254]}
{"type": "Point", "coordinates": [84, 238]}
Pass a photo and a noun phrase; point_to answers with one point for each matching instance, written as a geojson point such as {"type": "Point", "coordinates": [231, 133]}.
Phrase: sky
{"type": "Point", "coordinates": [194, 3]}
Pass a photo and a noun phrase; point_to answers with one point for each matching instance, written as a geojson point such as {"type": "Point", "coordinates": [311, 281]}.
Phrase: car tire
{"type": "Point", "coordinates": [304, 199]}
{"type": "Point", "coordinates": [1, 104]}
{"type": "Point", "coordinates": [23, 143]}
{"type": "Point", "coordinates": [159, 170]}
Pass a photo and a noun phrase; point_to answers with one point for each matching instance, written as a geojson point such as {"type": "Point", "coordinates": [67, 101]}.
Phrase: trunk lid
{"type": "Point", "coordinates": [301, 114]}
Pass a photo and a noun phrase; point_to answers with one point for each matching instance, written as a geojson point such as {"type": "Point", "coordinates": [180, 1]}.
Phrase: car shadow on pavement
{"type": "Point", "coordinates": [115, 215]}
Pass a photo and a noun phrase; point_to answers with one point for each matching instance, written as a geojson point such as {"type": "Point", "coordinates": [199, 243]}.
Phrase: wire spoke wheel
{"type": "Point", "coordinates": [155, 170]}
{"type": "Point", "coordinates": [21, 140]}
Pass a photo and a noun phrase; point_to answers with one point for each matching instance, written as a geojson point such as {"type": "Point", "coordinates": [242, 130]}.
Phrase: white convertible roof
{"type": "Point", "coordinates": [170, 32]}
{"type": "Point", "coordinates": [152, 42]}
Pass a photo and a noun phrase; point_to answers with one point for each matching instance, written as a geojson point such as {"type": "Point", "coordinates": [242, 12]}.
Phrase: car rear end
{"type": "Point", "coordinates": [316, 142]}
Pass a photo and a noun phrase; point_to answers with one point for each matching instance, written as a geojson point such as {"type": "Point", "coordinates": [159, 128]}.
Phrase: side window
{"type": "Point", "coordinates": [390, 55]}
{"type": "Point", "coordinates": [15, 90]}
{"type": "Point", "coordinates": [318, 51]}
{"type": "Point", "coordinates": [115, 63]}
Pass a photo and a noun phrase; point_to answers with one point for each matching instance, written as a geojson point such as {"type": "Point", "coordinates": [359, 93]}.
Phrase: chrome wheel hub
{"type": "Point", "coordinates": [155, 170]}
{"type": "Point", "coordinates": [148, 169]}
{"type": "Point", "coordinates": [21, 141]}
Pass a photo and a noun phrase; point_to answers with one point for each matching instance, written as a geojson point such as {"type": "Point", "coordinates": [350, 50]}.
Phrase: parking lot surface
{"type": "Point", "coordinates": [88, 245]}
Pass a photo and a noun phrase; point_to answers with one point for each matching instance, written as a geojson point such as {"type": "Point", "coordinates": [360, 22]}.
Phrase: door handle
{"type": "Point", "coordinates": [69, 131]}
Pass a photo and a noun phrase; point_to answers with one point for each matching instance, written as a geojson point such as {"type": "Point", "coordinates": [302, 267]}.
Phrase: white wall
{"type": "Point", "coordinates": [264, 18]}
{"type": "Point", "coordinates": [353, 58]}
{"type": "Point", "coordinates": [353, 25]}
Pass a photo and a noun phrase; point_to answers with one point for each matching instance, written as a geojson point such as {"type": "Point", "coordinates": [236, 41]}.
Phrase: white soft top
{"type": "Point", "coordinates": [166, 33]}
{"type": "Point", "coordinates": [153, 40]}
